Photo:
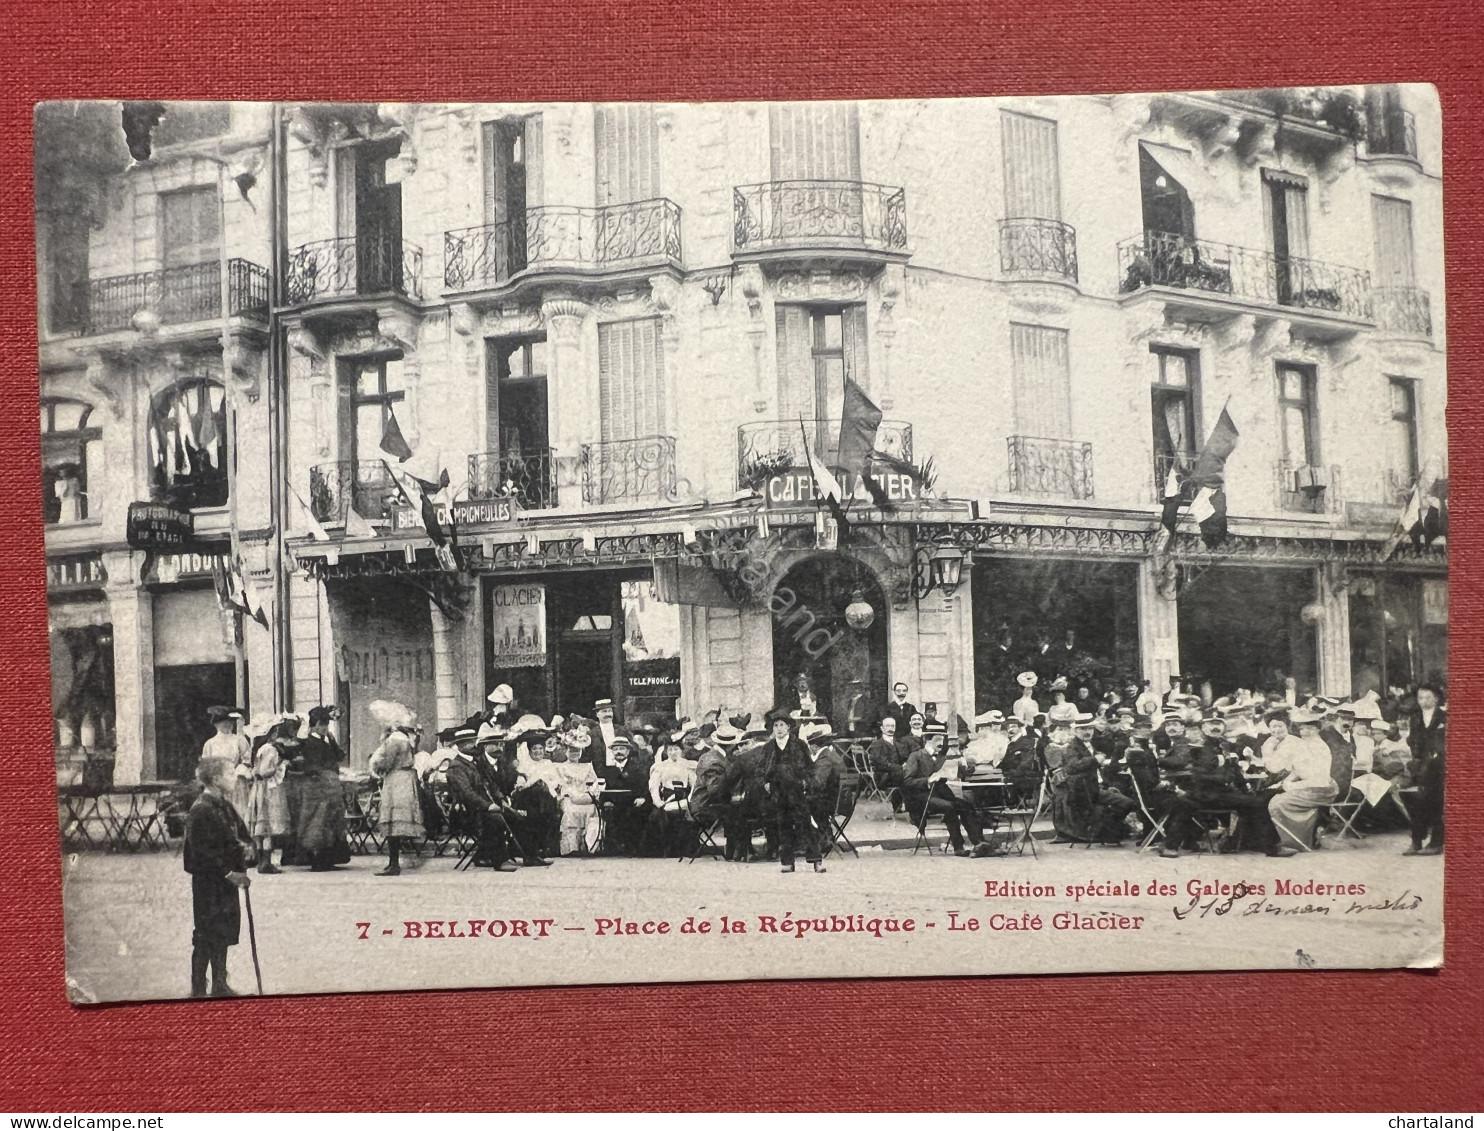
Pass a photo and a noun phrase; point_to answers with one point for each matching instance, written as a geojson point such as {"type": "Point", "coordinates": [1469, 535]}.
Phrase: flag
{"type": "Point", "coordinates": [416, 493]}
{"type": "Point", "coordinates": [1210, 465]}
{"type": "Point", "coordinates": [234, 590]}
{"type": "Point", "coordinates": [859, 420]}
{"type": "Point", "coordinates": [1208, 508]}
{"type": "Point", "coordinates": [1173, 494]}
{"type": "Point", "coordinates": [824, 480]}
{"type": "Point", "coordinates": [316, 529]}
{"type": "Point", "coordinates": [356, 525]}
{"type": "Point", "coordinates": [392, 441]}
{"type": "Point", "coordinates": [207, 434]}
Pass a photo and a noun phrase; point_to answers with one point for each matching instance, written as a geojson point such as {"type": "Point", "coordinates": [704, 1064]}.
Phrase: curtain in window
{"type": "Point", "coordinates": [1041, 375]}
{"type": "Point", "coordinates": [1032, 167]}
{"type": "Point", "coordinates": [1395, 264]}
{"type": "Point", "coordinates": [815, 141]}
{"type": "Point", "coordinates": [628, 153]}
{"type": "Point", "coordinates": [631, 380]}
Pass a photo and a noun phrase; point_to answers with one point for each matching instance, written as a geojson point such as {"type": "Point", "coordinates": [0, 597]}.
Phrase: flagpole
{"type": "Point", "coordinates": [229, 441]}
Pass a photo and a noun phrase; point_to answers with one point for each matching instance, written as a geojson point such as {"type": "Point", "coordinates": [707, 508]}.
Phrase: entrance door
{"type": "Point", "coordinates": [811, 637]}
{"type": "Point", "coordinates": [587, 617]}
{"type": "Point", "coordinates": [378, 221]}
{"type": "Point", "coordinates": [182, 694]}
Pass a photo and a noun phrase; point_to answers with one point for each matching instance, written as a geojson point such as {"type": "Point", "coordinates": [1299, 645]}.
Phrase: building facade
{"type": "Point", "coordinates": [618, 328]}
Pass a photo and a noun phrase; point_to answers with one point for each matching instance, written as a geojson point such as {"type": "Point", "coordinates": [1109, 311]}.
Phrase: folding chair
{"type": "Point", "coordinates": [1216, 821]}
{"type": "Point", "coordinates": [1345, 813]}
{"type": "Point", "coordinates": [1157, 823]}
{"type": "Point", "coordinates": [1000, 818]}
{"type": "Point", "coordinates": [845, 802]}
{"type": "Point", "coordinates": [859, 761]}
{"type": "Point", "coordinates": [921, 840]}
{"type": "Point", "coordinates": [705, 840]}
{"type": "Point", "coordinates": [357, 828]}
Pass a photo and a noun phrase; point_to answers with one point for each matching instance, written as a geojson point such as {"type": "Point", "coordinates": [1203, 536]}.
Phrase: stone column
{"type": "Point", "coordinates": [569, 391]}
{"type": "Point", "coordinates": [1159, 622]}
{"type": "Point", "coordinates": [131, 610]}
{"type": "Point", "coordinates": [1332, 630]}
{"type": "Point", "coordinates": [448, 675]}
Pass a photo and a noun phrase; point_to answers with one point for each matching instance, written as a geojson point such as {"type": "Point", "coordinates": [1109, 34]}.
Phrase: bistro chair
{"type": "Point", "coordinates": [845, 802]}
{"type": "Point", "coordinates": [1156, 824]}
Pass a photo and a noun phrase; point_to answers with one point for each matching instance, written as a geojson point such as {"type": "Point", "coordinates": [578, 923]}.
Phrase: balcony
{"type": "Point", "coordinates": [637, 471]}
{"type": "Point", "coordinates": [367, 485]}
{"type": "Point", "coordinates": [1392, 134]}
{"type": "Point", "coordinates": [559, 240]}
{"type": "Point", "coordinates": [1226, 278]}
{"type": "Point", "coordinates": [526, 477]}
{"type": "Point", "coordinates": [1059, 469]}
{"type": "Point", "coordinates": [1404, 311]}
{"type": "Point", "coordinates": [176, 295]}
{"type": "Point", "coordinates": [768, 447]}
{"type": "Point", "coordinates": [838, 220]}
{"type": "Point", "coordinates": [1307, 490]}
{"type": "Point", "coordinates": [1377, 497]}
{"type": "Point", "coordinates": [349, 267]}
{"type": "Point", "coordinates": [1033, 248]}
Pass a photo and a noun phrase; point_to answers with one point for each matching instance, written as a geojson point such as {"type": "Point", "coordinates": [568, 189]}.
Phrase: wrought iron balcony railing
{"type": "Point", "coordinates": [335, 487]}
{"type": "Point", "coordinates": [1055, 468]}
{"type": "Point", "coordinates": [1404, 310]}
{"type": "Point", "coordinates": [1162, 465]}
{"type": "Point", "coordinates": [1163, 259]}
{"type": "Point", "coordinates": [767, 447]}
{"type": "Point", "coordinates": [191, 293]}
{"type": "Point", "coordinates": [1306, 489]}
{"type": "Point", "coordinates": [1392, 133]}
{"type": "Point", "coordinates": [349, 266]}
{"type": "Point", "coordinates": [558, 238]}
{"type": "Point", "coordinates": [785, 215]}
{"type": "Point", "coordinates": [525, 477]}
{"type": "Point", "coordinates": [1034, 248]}
{"type": "Point", "coordinates": [629, 471]}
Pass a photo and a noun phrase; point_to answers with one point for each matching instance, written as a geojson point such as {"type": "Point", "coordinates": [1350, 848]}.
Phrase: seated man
{"type": "Point", "coordinates": [822, 787]}
{"type": "Point", "coordinates": [923, 793]}
{"type": "Point", "coordinates": [625, 798]}
{"type": "Point", "coordinates": [1215, 782]}
{"type": "Point", "coordinates": [708, 799]}
{"type": "Point", "coordinates": [473, 789]}
{"type": "Point", "coordinates": [887, 756]}
{"type": "Point", "coordinates": [1022, 765]}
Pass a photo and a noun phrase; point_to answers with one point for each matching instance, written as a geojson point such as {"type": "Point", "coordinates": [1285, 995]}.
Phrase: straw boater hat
{"type": "Point", "coordinates": [726, 735]}
{"type": "Point", "coordinates": [1026, 679]}
{"type": "Point", "coordinates": [989, 719]}
{"type": "Point", "coordinates": [222, 714]}
{"type": "Point", "coordinates": [1304, 717]}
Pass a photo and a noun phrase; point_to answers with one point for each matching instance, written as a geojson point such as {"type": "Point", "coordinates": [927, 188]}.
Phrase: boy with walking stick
{"type": "Point", "coordinates": [216, 852]}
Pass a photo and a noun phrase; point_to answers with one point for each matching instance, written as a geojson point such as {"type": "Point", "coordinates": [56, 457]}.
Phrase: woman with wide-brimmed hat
{"type": "Point", "coordinates": [319, 819]}
{"type": "Point", "coordinates": [399, 817]}
{"type": "Point", "coordinates": [268, 803]}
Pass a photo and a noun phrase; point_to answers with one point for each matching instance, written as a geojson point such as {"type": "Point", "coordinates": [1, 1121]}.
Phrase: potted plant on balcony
{"type": "Point", "coordinates": [1319, 298]}
{"type": "Point", "coordinates": [760, 468]}
{"type": "Point", "coordinates": [1311, 481]}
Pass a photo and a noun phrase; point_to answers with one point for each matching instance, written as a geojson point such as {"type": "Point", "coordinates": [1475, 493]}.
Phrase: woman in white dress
{"type": "Point", "coordinates": [268, 802]}
{"type": "Point", "coordinates": [581, 786]}
{"type": "Point", "coordinates": [236, 749]}
{"type": "Point", "coordinates": [1308, 786]}
{"type": "Point", "coordinates": [399, 817]}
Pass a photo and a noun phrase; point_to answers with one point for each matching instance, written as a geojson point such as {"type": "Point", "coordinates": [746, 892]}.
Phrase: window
{"type": "Point", "coordinates": [67, 443]}
{"type": "Point", "coordinates": [1401, 439]}
{"type": "Point", "coordinates": [1286, 208]}
{"type": "Point", "coordinates": [631, 380]}
{"type": "Point", "coordinates": [818, 347]}
{"type": "Point", "coordinates": [1041, 375]}
{"type": "Point", "coordinates": [1173, 409]}
{"type": "Point", "coordinates": [190, 226]}
{"type": "Point", "coordinates": [628, 145]}
{"type": "Point", "coordinates": [368, 210]}
{"type": "Point", "coordinates": [377, 387]}
{"type": "Point", "coordinates": [1166, 203]}
{"type": "Point", "coordinates": [192, 121]}
{"type": "Point", "coordinates": [1395, 262]}
{"type": "Point", "coordinates": [814, 141]}
{"type": "Point", "coordinates": [1032, 168]}
{"type": "Point", "coordinates": [1297, 417]}
{"type": "Point", "coordinates": [62, 245]}
{"type": "Point", "coordinates": [187, 444]}
{"type": "Point", "coordinates": [517, 457]}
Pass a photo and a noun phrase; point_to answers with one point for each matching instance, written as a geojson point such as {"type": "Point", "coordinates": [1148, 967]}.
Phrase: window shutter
{"type": "Point", "coordinates": [492, 398]}
{"type": "Point", "coordinates": [815, 141]}
{"type": "Point", "coordinates": [1395, 262]}
{"type": "Point", "coordinates": [345, 192]}
{"type": "Point", "coordinates": [535, 168]}
{"type": "Point", "coordinates": [190, 228]}
{"type": "Point", "coordinates": [627, 138]}
{"type": "Point", "coordinates": [1041, 375]}
{"type": "Point", "coordinates": [489, 138]}
{"type": "Point", "coordinates": [854, 320]}
{"type": "Point", "coordinates": [631, 385]}
{"type": "Point", "coordinates": [795, 363]}
{"type": "Point", "coordinates": [1032, 166]}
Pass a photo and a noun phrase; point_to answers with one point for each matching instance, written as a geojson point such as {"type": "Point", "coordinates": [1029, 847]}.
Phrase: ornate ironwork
{"type": "Point", "coordinates": [1405, 310]}
{"type": "Point", "coordinates": [192, 293]}
{"type": "Point", "coordinates": [525, 477]}
{"type": "Point", "coordinates": [1162, 465]}
{"type": "Point", "coordinates": [1164, 259]}
{"type": "Point", "coordinates": [555, 238]}
{"type": "Point", "coordinates": [349, 265]}
{"type": "Point", "coordinates": [1392, 133]}
{"type": "Point", "coordinates": [790, 214]}
{"type": "Point", "coordinates": [334, 487]}
{"type": "Point", "coordinates": [1033, 248]}
{"type": "Point", "coordinates": [766, 447]}
{"type": "Point", "coordinates": [623, 471]}
{"type": "Point", "coordinates": [1057, 468]}
{"type": "Point", "coordinates": [1307, 490]}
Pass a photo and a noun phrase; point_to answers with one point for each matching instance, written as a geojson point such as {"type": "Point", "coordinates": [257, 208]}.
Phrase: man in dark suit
{"type": "Point", "coordinates": [1427, 739]}
{"type": "Point", "coordinates": [862, 717]}
{"type": "Point", "coordinates": [625, 797]}
{"type": "Point", "coordinates": [822, 788]}
{"type": "Point", "coordinates": [474, 789]}
{"type": "Point", "coordinates": [1338, 735]}
{"type": "Point", "coordinates": [604, 730]}
{"type": "Point", "coordinates": [784, 763]}
{"type": "Point", "coordinates": [887, 755]}
{"type": "Point", "coordinates": [924, 793]}
{"type": "Point", "coordinates": [216, 850]}
{"type": "Point", "coordinates": [898, 708]}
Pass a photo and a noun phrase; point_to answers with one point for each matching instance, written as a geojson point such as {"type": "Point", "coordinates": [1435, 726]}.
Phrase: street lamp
{"type": "Point", "coordinates": [948, 568]}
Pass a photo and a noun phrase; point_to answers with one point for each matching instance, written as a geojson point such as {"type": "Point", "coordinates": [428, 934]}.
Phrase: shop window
{"type": "Point", "coordinates": [67, 442]}
{"type": "Point", "coordinates": [187, 444]}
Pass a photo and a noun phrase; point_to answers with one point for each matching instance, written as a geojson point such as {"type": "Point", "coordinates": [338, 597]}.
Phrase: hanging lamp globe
{"type": "Point", "coordinates": [858, 614]}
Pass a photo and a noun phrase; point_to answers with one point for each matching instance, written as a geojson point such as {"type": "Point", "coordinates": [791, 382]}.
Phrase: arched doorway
{"type": "Point", "coordinates": [811, 636]}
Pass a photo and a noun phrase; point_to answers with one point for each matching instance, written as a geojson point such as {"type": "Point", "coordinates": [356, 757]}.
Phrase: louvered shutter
{"type": "Point", "coordinates": [1395, 262]}
{"type": "Point", "coordinates": [190, 228]}
{"type": "Point", "coordinates": [1042, 382]}
{"type": "Point", "coordinates": [631, 380]}
{"type": "Point", "coordinates": [855, 345]}
{"type": "Point", "coordinates": [345, 192]}
{"type": "Point", "coordinates": [628, 154]}
{"type": "Point", "coordinates": [795, 363]}
{"type": "Point", "coordinates": [535, 167]}
{"type": "Point", "coordinates": [1032, 166]}
{"type": "Point", "coordinates": [815, 141]}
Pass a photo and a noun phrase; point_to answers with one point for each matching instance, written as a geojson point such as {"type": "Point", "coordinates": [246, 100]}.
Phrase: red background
{"type": "Point", "coordinates": [1395, 1040]}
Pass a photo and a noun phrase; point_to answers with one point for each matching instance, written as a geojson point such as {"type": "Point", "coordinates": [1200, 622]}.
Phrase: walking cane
{"type": "Point", "coordinates": [252, 939]}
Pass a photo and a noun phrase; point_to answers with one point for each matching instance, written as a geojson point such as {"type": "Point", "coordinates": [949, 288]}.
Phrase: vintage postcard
{"type": "Point", "coordinates": [568, 543]}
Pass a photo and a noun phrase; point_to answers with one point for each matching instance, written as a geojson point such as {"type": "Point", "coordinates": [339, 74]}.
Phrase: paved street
{"type": "Point", "coordinates": [129, 918]}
